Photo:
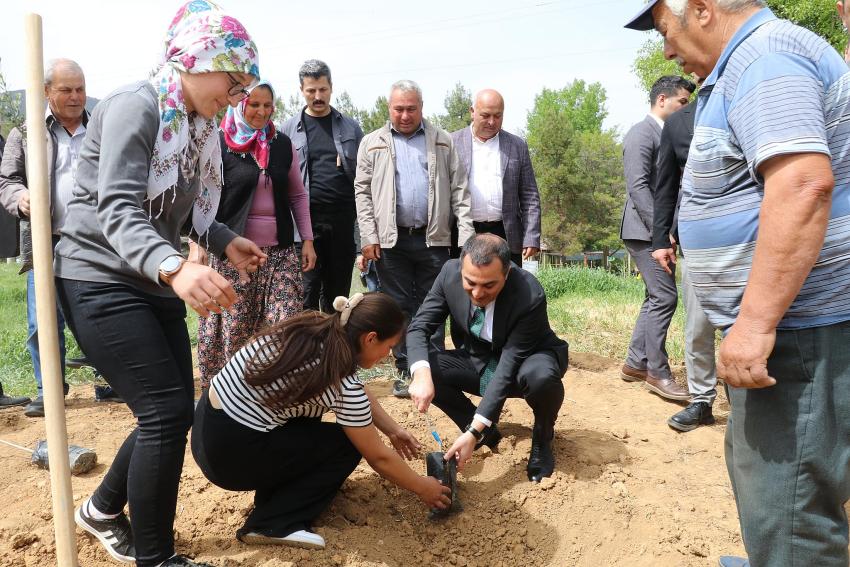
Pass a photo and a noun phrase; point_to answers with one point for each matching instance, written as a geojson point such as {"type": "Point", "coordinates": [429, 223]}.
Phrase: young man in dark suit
{"type": "Point", "coordinates": [508, 350]}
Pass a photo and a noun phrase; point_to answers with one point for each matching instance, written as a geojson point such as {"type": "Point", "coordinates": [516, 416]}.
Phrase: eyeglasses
{"type": "Point", "coordinates": [237, 89]}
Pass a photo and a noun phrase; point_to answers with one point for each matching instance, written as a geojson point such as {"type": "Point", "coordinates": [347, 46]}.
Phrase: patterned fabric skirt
{"type": "Point", "coordinates": [274, 293]}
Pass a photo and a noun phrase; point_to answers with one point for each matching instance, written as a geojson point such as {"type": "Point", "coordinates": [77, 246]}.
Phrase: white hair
{"type": "Point", "coordinates": [55, 64]}
{"type": "Point", "coordinates": [406, 86]}
{"type": "Point", "coordinates": [678, 6]}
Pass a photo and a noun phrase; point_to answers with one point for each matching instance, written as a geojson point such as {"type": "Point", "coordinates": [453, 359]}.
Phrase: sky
{"type": "Point", "coordinates": [517, 47]}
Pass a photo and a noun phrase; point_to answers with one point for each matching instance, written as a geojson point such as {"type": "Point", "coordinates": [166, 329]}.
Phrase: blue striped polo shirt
{"type": "Point", "coordinates": [776, 89]}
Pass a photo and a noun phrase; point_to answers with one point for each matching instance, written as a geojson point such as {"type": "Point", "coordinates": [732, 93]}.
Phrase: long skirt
{"type": "Point", "coordinates": [274, 293]}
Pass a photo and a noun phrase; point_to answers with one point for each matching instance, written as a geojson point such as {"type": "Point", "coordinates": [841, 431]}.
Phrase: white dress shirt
{"type": "Point", "coordinates": [485, 179]}
{"type": "Point", "coordinates": [657, 120]}
{"type": "Point", "coordinates": [65, 171]}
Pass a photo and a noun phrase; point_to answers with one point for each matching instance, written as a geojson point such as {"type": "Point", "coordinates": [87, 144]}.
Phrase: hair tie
{"type": "Point", "coordinates": [346, 305]}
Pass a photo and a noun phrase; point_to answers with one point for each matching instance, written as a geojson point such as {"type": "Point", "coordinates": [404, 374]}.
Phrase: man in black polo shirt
{"type": "Point", "coordinates": [327, 145]}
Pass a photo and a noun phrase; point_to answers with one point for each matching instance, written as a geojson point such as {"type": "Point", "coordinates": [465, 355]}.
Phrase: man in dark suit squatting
{"type": "Point", "coordinates": [508, 350]}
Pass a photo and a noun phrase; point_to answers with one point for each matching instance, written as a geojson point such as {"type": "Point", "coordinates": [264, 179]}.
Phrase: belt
{"type": "Point", "coordinates": [488, 224]}
{"type": "Point", "coordinates": [411, 229]}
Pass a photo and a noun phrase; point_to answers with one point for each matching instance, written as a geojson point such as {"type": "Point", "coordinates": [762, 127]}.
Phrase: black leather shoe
{"type": "Point", "coordinates": [183, 561]}
{"type": "Point", "coordinates": [541, 461]}
{"type": "Point", "coordinates": [491, 438]}
{"type": "Point", "coordinates": [696, 414]}
{"type": "Point", "coordinates": [10, 401]}
{"type": "Point", "coordinates": [35, 408]}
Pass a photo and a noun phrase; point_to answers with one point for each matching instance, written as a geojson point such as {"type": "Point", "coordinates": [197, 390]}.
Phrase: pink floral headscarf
{"type": "Point", "coordinates": [200, 39]}
{"type": "Point", "coordinates": [243, 138]}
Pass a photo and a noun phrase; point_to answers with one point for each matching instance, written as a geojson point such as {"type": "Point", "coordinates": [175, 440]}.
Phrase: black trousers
{"type": "Point", "coordinates": [295, 470]}
{"type": "Point", "coordinates": [333, 239]}
{"type": "Point", "coordinates": [538, 381]}
{"type": "Point", "coordinates": [407, 271]}
{"type": "Point", "coordinates": [140, 344]}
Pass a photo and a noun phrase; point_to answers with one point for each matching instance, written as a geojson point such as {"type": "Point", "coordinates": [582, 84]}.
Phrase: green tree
{"type": "Point", "coordinates": [817, 15]}
{"type": "Point", "coordinates": [287, 108]}
{"type": "Point", "coordinates": [579, 168]}
{"type": "Point", "coordinates": [346, 106]}
{"type": "Point", "coordinates": [456, 104]}
{"type": "Point", "coordinates": [10, 109]}
{"type": "Point", "coordinates": [371, 120]}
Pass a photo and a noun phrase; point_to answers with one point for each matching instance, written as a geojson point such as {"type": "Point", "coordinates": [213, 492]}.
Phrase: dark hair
{"type": "Point", "coordinates": [314, 69]}
{"type": "Point", "coordinates": [315, 352]}
{"type": "Point", "coordinates": [669, 85]}
{"type": "Point", "coordinates": [482, 249]}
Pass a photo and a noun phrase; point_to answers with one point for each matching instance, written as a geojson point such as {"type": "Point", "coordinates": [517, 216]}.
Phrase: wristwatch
{"type": "Point", "coordinates": [169, 267]}
{"type": "Point", "coordinates": [475, 433]}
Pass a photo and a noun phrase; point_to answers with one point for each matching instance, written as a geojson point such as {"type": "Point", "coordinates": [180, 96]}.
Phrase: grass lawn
{"type": "Point", "coordinates": [595, 311]}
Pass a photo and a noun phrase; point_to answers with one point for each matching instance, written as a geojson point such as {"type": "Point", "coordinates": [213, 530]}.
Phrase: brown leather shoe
{"type": "Point", "coordinates": [666, 388]}
{"type": "Point", "coordinates": [630, 374]}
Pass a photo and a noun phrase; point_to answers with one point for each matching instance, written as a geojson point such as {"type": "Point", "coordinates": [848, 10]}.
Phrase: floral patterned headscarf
{"type": "Point", "coordinates": [200, 39]}
{"type": "Point", "coordinates": [243, 138]}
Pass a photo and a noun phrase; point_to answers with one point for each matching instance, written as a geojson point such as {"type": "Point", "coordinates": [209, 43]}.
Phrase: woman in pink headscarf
{"type": "Point", "coordinates": [263, 192]}
{"type": "Point", "coordinates": [150, 161]}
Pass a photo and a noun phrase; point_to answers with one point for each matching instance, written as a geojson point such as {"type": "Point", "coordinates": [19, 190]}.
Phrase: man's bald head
{"type": "Point", "coordinates": [487, 112]}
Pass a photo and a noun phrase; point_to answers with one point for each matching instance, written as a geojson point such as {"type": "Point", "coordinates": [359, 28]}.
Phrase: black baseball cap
{"type": "Point", "coordinates": [643, 20]}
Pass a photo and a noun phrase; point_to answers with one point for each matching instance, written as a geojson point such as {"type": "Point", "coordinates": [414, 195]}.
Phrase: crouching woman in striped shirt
{"type": "Point", "coordinates": [259, 427]}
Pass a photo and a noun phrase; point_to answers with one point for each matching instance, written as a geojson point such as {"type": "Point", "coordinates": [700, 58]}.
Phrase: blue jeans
{"type": "Point", "coordinates": [788, 452]}
{"type": "Point", "coordinates": [32, 332]}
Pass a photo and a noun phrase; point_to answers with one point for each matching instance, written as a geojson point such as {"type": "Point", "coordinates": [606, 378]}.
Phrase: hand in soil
{"type": "Point", "coordinates": [433, 494]}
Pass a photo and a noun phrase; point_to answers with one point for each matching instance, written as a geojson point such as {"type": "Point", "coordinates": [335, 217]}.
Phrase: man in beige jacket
{"type": "Point", "coordinates": [410, 187]}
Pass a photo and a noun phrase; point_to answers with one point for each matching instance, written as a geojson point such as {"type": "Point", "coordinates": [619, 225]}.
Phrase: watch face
{"type": "Point", "coordinates": [170, 264]}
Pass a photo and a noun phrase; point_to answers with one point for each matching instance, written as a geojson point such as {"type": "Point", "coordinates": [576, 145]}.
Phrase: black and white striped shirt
{"type": "Point", "coordinates": [246, 404]}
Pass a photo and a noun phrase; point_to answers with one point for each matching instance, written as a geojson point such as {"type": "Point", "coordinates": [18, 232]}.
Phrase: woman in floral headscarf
{"type": "Point", "coordinates": [152, 159]}
{"type": "Point", "coordinates": [263, 191]}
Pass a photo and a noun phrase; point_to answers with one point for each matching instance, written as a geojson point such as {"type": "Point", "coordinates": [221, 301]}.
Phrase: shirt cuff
{"type": "Point", "coordinates": [419, 364]}
{"type": "Point", "coordinates": [483, 420]}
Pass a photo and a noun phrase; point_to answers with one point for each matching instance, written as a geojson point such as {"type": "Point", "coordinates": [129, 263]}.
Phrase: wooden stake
{"type": "Point", "coordinates": [45, 294]}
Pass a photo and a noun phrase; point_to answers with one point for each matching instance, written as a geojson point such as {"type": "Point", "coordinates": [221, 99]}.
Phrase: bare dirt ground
{"type": "Point", "coordinates": [628, 491]}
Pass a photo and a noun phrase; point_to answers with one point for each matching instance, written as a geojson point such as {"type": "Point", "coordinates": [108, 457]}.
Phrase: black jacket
{"type": "Point", "coordinates": [241, 174]}
{"type": "Point", "coordinates": [520, 329]}
{"type": "Point", "coordinates": [672, 157]}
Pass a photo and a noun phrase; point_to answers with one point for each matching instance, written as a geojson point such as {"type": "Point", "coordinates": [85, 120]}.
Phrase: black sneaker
{"type": "Point", "coordinates": [115, 534]}
{"type": "Point", "coordinates": [182, 561]}
{"type": "Point", "coordinates": [401, 384]}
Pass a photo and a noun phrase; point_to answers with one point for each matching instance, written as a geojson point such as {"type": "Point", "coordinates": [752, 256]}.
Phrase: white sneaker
{"type": "Point", "coordinates": [301, 538]}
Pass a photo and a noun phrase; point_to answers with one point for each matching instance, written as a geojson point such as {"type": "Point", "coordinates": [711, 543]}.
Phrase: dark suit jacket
{"type": "Point", "coordinates": [520, 329]}
{"type": "Point", "coordinates": [8, 226]}
{"type": "Point", "coordinates": [520, 197]}
{"type": "Point", "coordinates": [640, 150]}
{"type": "Point", "coordinates": [672, 157]}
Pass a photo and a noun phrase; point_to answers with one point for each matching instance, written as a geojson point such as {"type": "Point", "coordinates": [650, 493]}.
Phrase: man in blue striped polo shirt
{"type": "Point", "coordinates": [765, 225]}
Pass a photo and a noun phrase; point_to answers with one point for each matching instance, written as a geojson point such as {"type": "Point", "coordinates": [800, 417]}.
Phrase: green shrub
{"type": "Point", "coordinates": [588, 281]}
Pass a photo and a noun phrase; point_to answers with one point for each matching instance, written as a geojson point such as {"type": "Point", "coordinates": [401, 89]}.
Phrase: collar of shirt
{"type": "Point", "coordinates": [756, 21]}
{"type": "Point", "coordinates": [476, 140]}
{"type": "Point", "coordinates": [418, 130]}
{"type": "Point", "coordinates": [51, 121]}
{"type": "Point", "coordinates": [658, 120]}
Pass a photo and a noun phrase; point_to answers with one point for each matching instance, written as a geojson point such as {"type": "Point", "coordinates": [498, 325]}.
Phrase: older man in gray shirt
{"type": "Point", "coordinates": [410, 186]}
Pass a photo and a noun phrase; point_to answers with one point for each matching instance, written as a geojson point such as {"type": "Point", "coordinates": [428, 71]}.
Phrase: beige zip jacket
{"type": "Point", "coordinates": [375, 193]}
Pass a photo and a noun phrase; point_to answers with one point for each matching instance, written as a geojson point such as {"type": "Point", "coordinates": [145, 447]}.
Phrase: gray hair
{"type": "Point", "coordinates": [678, 6]}
{"type": "Point", "coordinates": [407, 86]}
{"type": "Point", "coordinates": [55, 64]}
{"type": "Point", "coordinates": [314, 69]}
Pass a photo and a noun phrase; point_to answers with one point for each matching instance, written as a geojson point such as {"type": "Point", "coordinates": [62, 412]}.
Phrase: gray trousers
{"type": "Point", "coordinates": [699, 344]}
{"type": "Point", "coordinates": [648, 347]}
{"type": "Point", "coordinates": [788, 452]}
